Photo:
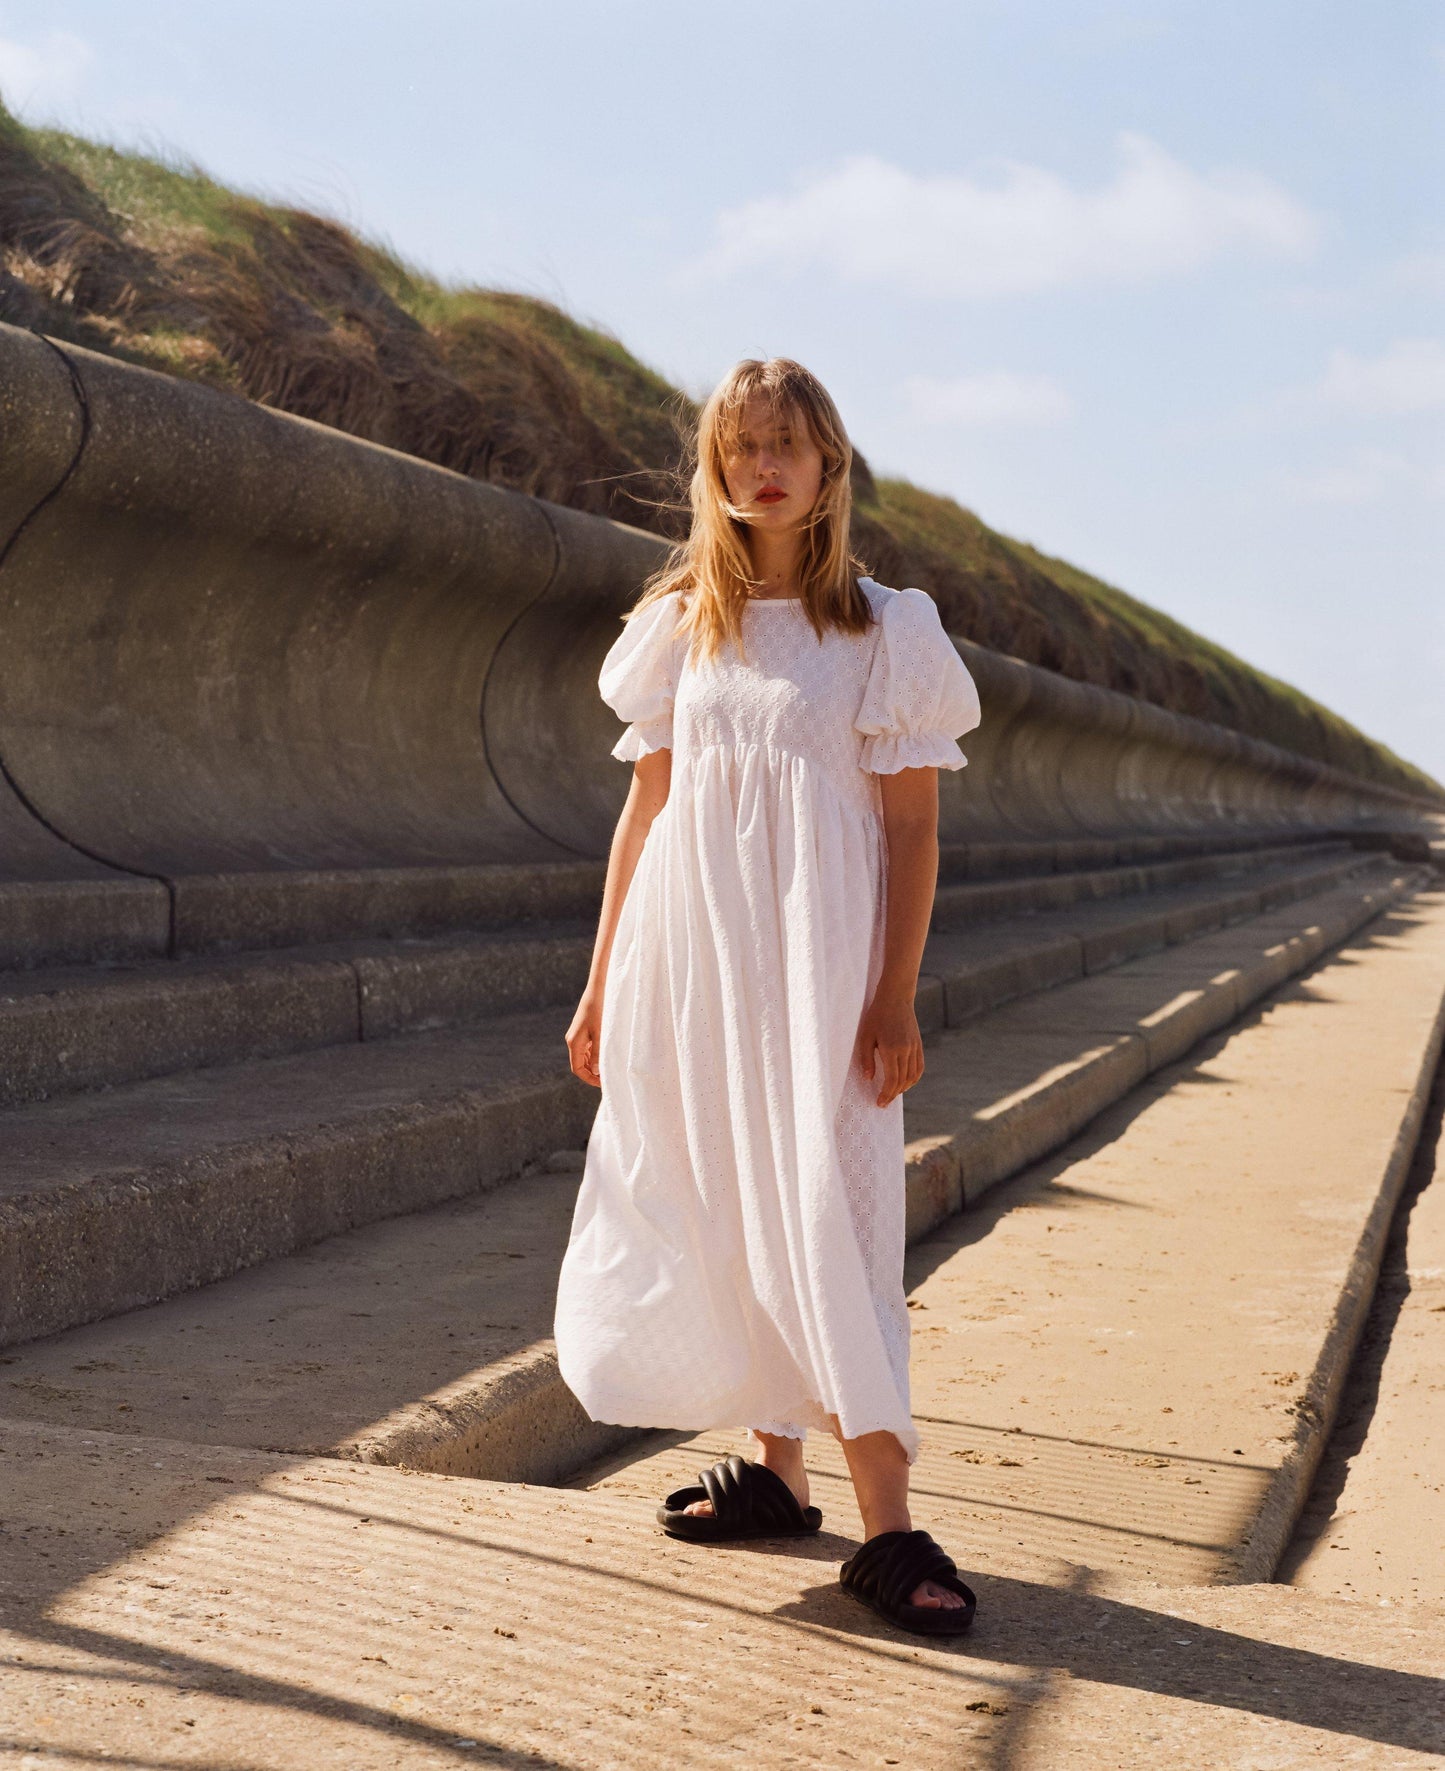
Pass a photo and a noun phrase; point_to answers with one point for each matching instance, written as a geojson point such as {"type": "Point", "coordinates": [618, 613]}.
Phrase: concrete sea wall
{"type": "Point", "coordinates": [235, 641]}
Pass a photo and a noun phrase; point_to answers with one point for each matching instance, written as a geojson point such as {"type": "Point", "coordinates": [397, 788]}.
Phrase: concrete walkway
{"type": "Point", "coordinates": [1380, 1495]}
{"type": "Point", "coordinates": [171, 1606]}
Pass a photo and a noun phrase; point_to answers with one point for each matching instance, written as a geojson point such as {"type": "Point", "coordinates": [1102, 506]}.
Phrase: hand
{"type": "Point", "coordinates": [889, 1043]}
{"type": "Point", "coordinates": [584, 1038]}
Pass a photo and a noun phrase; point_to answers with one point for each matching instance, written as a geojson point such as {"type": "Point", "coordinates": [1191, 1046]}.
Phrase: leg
{"type": "Point", "coordinates": [879, 1468]}
{"type": "Point", "coordinates": [784, 1457]}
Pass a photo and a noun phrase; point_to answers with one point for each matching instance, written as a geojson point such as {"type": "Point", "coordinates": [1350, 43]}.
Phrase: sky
{"type": "Point", "coordinates": [1157, 287]}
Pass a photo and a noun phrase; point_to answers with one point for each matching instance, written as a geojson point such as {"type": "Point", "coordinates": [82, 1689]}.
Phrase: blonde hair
{"type": "Point", "coordinates": [712, 569]}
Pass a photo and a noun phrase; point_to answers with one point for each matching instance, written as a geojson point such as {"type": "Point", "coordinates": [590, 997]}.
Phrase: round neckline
{"type": "Point", "coordinates": [757, 600]}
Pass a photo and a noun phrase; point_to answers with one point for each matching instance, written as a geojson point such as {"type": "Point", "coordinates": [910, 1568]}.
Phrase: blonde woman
{"type": "Point", "coordinates": [736, 1257]}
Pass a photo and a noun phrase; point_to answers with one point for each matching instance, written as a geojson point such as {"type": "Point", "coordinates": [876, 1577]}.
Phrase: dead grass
{"type": "Point", "coordinates": [153, 261]}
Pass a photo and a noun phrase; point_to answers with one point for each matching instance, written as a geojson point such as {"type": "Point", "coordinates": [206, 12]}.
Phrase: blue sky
{"type": "Point", "coordinates": [1157, 287]}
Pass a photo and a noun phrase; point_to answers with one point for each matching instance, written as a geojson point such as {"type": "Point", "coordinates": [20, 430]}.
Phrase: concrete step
{"type": "Point", "coordinates": [114, 1199]}
{"type": "Point", "coordinates": [983, 901]}
{"type": "Point", "coordinates": [973, 1119]}
{"type": "Point", "coordinates": [170, 1604]}
{"type": "Point", "coordinates": [968, 970]}
{"type": "Point", "coordinates": [1127, 1360]}
{"type": "Point", "coordinates": [426, 1341]}
{"type": "Point", "coordinates": [79, 922]}
{"type": "Point", "coordinates": [64, 1029]}
{"type": "Point", "coordinates": [98, 918]}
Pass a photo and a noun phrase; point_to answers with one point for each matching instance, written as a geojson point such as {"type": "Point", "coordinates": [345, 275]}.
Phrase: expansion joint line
{"type": "Point", "coordinates": [520, 616]}
{"type": "Point", "coordinates": [82, 403]}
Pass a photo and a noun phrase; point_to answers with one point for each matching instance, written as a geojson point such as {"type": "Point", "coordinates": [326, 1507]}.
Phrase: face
{"type": "Point", "coordinates": [776, 469]}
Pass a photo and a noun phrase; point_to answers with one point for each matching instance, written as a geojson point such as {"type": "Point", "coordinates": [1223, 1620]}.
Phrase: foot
{"type": "Point", "coordinates": [782, 1462]}
{"type": "Point", "coordinates": [931, 1597]}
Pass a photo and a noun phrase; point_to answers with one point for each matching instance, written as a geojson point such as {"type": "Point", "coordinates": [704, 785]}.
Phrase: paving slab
{"type": "Point", "coordinates": [167, 1605]}
{"type": "Point", "coordinates": [1126, 1360]}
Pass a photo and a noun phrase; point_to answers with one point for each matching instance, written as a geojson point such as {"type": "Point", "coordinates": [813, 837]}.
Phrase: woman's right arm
{"type": "Point", "coordinates": [651, 780]}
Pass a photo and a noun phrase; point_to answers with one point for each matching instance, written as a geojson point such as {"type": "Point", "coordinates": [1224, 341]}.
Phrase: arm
{"type": "Point", "coordinates": [888, 1035]}
{"type": "Point", "coordinates": [651, 779]}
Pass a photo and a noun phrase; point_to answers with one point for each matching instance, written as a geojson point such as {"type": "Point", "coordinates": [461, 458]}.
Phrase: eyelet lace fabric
{"type": "Point", "coordinates": [736, 1255]}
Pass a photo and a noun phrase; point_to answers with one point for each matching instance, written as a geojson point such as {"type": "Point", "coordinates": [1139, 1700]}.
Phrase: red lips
{"type": "Point", "coordinates": [770, 495]}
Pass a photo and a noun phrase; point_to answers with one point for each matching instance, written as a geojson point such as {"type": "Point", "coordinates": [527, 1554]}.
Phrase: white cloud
{"type": "Point", "coordinates": [42, 73]}
{"type": "Point", "coordinates": [948, 234]}
{"type": "Point", "coordinates": [1408, 377]}
{"type": "Point", "coordinates": [996, 398]}
{"type": "Point", "coordinates": [1368, 476]}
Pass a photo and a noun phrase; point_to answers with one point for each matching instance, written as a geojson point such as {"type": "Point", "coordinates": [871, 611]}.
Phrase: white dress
{"type": "Point", "coordinates": [736, 1255]}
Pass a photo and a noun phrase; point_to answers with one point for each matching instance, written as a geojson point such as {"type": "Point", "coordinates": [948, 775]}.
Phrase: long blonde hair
{"type": "Point", "coordinates": [712, 568]}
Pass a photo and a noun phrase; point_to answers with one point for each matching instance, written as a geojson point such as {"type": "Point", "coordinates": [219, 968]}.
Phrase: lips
{"type": "Point", "coordinates": [772, 496]}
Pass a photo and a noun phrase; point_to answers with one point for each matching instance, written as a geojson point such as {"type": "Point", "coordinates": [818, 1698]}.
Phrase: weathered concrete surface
{"type": "Point", "coordinates": [1375, 1521]}
{"type": "Point", "coordinates": [1126, 1359]}
{"type": "Point", "coordinates": [79, 920]}
{"type": "Point", "coordinates": [172, 1605]}
{"type": "Point", "coordinates": [307, 652]}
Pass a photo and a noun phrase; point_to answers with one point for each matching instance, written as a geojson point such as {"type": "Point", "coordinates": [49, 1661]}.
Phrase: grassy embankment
{"type": "Point", "coordinates": [157, 263]}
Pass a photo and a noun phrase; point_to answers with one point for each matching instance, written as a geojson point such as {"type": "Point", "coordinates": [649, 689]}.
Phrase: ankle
{"type": "Point", "coordinates": [878, 1520]}
{"type": "Point", "coordinates": [784, 1457]}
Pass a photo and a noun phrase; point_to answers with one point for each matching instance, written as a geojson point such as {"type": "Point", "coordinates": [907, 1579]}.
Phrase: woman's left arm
{"type": "Point", "coordinates": [889, 1040]}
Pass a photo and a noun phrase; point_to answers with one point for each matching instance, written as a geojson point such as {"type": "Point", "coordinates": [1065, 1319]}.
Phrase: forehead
{"type": "Point", "coordinates": [761, 413]}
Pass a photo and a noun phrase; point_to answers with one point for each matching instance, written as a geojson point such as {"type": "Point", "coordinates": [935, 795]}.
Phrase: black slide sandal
{"type": "Point", "coordinates": [886, 1570]}
{"type": "Point", "coordinates": [748, 1500]}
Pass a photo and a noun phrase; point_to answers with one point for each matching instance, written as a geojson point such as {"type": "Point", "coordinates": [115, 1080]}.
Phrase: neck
{"type": "Point", "coordinates": [775, 560]}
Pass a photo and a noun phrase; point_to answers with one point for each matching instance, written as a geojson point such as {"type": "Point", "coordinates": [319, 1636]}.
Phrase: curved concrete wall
{"type": "Point", "coordinates": [235, 640]}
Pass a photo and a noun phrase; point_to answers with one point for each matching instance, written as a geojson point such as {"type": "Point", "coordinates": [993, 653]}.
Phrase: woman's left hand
{"type": "Point", "coordinates": [889, 1044]}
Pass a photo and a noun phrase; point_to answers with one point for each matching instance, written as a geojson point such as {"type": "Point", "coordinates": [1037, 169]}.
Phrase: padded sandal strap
{"type": "Point", "coordinates": [890, 1567]}
{"type": "Point", "coordinates": [749, 1496]}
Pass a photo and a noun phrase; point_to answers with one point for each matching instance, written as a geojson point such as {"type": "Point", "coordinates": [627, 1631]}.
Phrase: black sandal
{"type": "Point", "coordinates": [748, 1500]}
{"type": "Point", "coordinates": [886, 1570]}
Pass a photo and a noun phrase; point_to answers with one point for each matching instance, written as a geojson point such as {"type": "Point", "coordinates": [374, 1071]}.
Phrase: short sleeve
{"type": "Point", "coordinates": [920, 698]}
{"type": "Point", "coordinates": [639, 676]}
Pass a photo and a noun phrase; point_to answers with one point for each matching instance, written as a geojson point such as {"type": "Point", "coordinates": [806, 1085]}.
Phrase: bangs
{"type": "Point", "coordinates": [784, 409]}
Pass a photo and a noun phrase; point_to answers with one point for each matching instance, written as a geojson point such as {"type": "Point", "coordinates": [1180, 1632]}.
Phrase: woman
{"type": "Point", "coordinates": [736, 1257]}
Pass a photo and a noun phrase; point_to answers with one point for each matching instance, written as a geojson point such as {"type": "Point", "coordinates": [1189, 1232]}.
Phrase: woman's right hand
{"type": "Point", "coordinates": [584, 1038]}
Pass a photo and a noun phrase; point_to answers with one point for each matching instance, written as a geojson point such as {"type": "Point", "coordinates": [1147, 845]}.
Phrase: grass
{"type": "Point", "coordinates": [147, 257]}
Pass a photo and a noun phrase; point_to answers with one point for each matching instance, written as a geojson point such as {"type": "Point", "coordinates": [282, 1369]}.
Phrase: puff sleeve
{"type": "Point", "coordinates": [920, 697]}
{"type": "Point", "coordinates": [639, 676]}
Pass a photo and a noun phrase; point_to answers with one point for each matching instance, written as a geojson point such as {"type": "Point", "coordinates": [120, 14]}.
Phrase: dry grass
{"type": "Point", "coordinates": [155, 262]}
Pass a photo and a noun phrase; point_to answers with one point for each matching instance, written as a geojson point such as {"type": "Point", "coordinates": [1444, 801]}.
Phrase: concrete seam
{"type": "Point", "coordinates": [83, 408]}
{"type": "Point", "coordinates": [522, 613]}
